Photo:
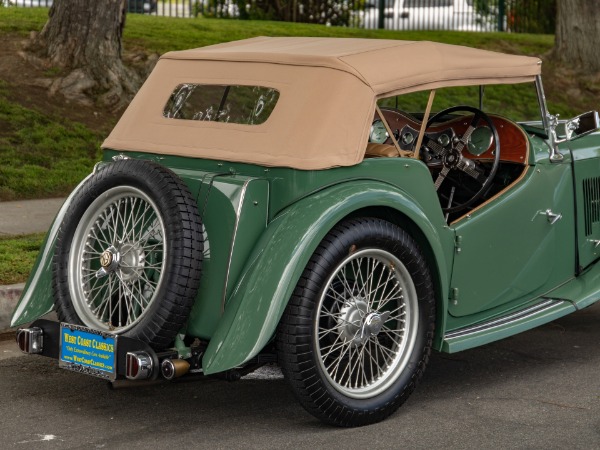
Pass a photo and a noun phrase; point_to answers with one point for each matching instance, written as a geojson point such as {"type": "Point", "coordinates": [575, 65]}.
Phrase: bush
{"type": "Point", "coordinates": [324, 12]}
{"type": "Point", "coordinates": [521, 16]}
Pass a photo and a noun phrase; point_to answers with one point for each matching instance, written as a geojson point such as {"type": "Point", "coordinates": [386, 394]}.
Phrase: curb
{"type": "Point", "coordinates": [9, 296]}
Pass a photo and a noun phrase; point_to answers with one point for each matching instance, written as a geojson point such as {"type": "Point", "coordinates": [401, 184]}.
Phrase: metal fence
{"type": "Point", "coordinates": [519, 16]}
{"type": "Point", "coordinates": [167, 8]}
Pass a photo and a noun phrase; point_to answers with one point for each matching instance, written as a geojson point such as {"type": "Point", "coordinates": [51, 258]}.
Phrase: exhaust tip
{"type": "Point", "coordinates": [174, 368]}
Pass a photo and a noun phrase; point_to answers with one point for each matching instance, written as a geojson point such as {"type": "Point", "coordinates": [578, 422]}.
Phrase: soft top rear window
{"type": "Point", "coordinates": [248, 105]}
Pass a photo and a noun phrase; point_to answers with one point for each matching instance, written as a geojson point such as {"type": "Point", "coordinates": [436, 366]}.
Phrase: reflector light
{"type": "Point", "coordinates": [138, 365]}
{"type": "Point", "coordinates": [30, 340]}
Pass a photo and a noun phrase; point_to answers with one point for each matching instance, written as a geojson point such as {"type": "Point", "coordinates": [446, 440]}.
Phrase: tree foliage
{"type": "Point", "coordinates": [325, 12]}
{"type": "Point", "coordinates": [520, 16]}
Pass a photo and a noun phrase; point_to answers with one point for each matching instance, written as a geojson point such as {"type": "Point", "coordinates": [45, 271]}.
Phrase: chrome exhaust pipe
{"type": "Point", "coordinates": [174, 368]}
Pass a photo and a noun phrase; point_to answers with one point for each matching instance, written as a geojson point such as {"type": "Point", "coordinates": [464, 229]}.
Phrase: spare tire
{"type": "Point", "coordinates": [129, 253]}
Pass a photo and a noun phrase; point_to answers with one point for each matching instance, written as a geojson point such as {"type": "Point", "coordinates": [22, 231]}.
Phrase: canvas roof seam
{"type": "Point", "coordinates": [361, 77]}
{"type": "Point", "coordinates": [399, 43]}
{"type": "Point", "coordinates": [354, 72]}
{"type": "Point", "coordinates": [339, 58]}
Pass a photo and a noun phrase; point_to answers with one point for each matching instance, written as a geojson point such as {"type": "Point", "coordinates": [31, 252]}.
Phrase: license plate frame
{"type": "Point", "coordinates": [88, 351]}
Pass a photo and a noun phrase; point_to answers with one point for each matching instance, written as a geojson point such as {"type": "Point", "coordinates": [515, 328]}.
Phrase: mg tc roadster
{"type": "Point", "coordinates": [338, 206]}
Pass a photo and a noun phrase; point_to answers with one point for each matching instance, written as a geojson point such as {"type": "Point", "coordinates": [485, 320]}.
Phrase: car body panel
{"type": "Point", "coordinates": [582, 291]}
{"type": "Point", "coordinates": [517, 243]}
{"type": "Point", "coordinates": [515, 322]}
{"type": "Point", "coordinates": [288, 187]}
{"type": "Point", "coordinates": [234, 214]}
{"type": "Point", "coordinates": [577, 293]}
{"type": "Point", "coordinates": [258, 301]}
{"type": "Point", "coordinates": [238, 312]}
{"type": "Point", "coordinates": [37, 297]}
{"type": "Point", "coordinates": [586, 157]}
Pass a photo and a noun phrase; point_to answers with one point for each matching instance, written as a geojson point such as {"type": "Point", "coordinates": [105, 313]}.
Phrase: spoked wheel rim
{"type": "Point", "coordinates": [366, 324]}
{"type": "Point", "coordinates": [117, 261]}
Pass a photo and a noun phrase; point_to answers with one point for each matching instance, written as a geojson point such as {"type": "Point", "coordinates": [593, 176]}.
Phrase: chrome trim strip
{"type": "Point", "coordinates": [235, 228]}
{"type": "Point", "coordinates": [495, 323]}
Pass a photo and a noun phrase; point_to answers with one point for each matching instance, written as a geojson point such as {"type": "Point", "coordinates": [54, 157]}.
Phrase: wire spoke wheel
{"type": "Point", "coordinates": [129, 253]}
{"type": "Point", "coordinates": [366, 323]}
{"type": "Point", "coordinates": [356, 335]}
{"type": "Point", "coordinates": [117, 263]}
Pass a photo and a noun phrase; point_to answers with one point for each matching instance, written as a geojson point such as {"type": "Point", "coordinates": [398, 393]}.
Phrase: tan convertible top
{"type": "Point", "coordinates": [327, 87]}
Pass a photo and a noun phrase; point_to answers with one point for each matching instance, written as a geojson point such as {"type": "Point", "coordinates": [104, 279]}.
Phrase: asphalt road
{"type": "Point", "coordinates": [540, 389]}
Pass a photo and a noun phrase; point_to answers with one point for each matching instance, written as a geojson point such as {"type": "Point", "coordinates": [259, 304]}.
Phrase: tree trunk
{"type": "Point", "coordinates": [578, 34]}
{"type": "Point", "coordinates": [83, 38]}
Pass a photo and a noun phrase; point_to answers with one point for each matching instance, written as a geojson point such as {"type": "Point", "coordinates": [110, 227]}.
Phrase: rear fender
{"type": "Point", "coordinates": [37, 297]}
{"type": "Point", "coordinates": [254, 308]}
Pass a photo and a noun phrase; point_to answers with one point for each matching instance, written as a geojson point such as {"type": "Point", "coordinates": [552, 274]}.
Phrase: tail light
{"type": "Point", "coordinates": [30, 340]}
{"type": "Point", "coordinates": [138, 366]}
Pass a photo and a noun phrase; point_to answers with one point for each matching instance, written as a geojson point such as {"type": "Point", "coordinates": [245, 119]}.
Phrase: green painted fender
{"type": "Point", "coordinates": [258, 301]}
{"type": "Point", "coordinates": [36, 299]}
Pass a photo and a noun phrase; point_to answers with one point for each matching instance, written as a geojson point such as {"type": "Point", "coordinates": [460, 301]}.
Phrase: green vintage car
{"type": "Point", "coordinates": [338, 206]}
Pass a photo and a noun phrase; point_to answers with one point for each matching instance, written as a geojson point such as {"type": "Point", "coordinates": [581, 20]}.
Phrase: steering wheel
{"type": "Point", "coordinates": [452, 157]}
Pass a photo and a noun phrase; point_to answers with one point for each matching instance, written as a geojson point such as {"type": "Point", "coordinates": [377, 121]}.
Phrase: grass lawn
{"type": "Point", "coordinates": [17, 256]}
{"type": "Point", "coordinates": [42, 154]}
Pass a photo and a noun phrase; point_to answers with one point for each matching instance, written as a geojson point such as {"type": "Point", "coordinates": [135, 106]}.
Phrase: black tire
{"type": "Point", "coordinates": [110, 271]}
{"type": "Point", "coordinates": [329, 323]}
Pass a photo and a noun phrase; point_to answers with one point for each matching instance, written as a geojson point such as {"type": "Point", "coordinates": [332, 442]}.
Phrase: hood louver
{"type": "Point", "coordinates": [591, 203]}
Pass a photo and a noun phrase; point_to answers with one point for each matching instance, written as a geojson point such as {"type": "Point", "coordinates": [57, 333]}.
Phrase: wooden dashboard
{"type": "Point", "coordinates": [514, 145]}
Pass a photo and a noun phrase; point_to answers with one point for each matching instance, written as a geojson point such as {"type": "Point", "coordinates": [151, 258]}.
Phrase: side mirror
{"type": "Point", "coordinates": [582, 124]}
{"type": "Point", "coordinates": [579, 126]}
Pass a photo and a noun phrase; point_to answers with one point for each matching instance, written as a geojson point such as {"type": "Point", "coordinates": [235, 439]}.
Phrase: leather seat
{"type": "Point", "coordinates": [381, 150]}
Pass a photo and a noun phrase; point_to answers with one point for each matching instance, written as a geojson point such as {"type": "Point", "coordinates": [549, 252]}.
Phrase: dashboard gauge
{"type": "Point", "coordinates": [378, 133]}
{"type": "Point", "coordinates": [407, 138]}
{"type": "Point", "coordinates": [480, 141]}
{"type": "Point", "coordinates": [443, 140]}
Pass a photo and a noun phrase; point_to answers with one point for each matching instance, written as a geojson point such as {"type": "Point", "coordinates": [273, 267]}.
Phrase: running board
{"type": "Point", "coordinates": [546, 310]}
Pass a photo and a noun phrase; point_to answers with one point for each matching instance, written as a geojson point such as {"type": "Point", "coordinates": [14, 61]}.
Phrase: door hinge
{"type": "Point", "coordinates": [457, 242]}
{"type": "Point", "coordinates": [454, 296]}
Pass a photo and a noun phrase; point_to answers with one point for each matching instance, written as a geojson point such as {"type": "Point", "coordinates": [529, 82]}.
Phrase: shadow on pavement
{"type": "Point", "coordinates": [538, 388]}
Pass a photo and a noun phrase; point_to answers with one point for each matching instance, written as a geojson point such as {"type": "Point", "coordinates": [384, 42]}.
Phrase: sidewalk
{"type": "Point", "coordinates": [18, 218]}
{"type": "Point", "coordinates": [28, 216]}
